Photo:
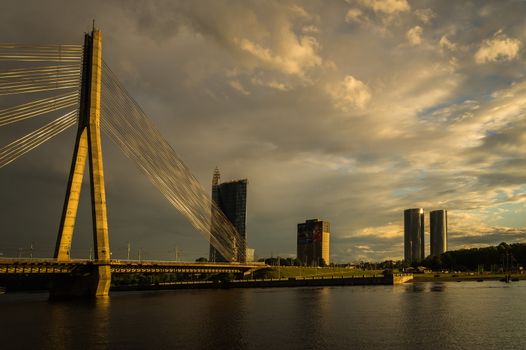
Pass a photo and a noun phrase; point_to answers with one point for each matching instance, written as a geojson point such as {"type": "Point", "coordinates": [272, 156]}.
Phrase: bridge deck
{"type": "Point", "coordinates": [52, 266]}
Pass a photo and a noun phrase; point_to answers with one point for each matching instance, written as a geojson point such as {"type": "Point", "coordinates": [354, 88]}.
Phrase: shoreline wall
{"type": "Point", "coordinates": [277, 283]}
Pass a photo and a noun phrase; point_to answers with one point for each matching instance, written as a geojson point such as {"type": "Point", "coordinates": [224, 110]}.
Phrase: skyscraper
{"type": "Point", "coordinates": [438, 231]}
{"type": "Point", "coordinates": [414, 235]}
{"type": "Point", "coordinates": [231, 198]}
{"type": "Point", "coordinates": [313, 242]}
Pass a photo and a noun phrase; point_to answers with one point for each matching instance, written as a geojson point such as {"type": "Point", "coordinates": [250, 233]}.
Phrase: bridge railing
{"type": "Point", "coordinates": [123, 261]}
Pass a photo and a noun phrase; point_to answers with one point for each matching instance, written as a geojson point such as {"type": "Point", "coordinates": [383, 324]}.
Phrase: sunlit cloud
{"type": "Point", "coordinates": [354, 14]}
{"type": "Point", "coordinates": [299, 55]}
{"type": "Point", "coordinates": [350, 93]}
{"type": "Point", "coordinates": [447, 44]}
{"type": "Point", "coordinates": [239, 87]}
{"type": "Point", "coordinates": [414, 35]}
{"type": "Point", "coordinates": [498, 48]}
{"type": "Point", "coordinates": [425, 15]}
{"type": "Point", "coordinates": [386, 6]}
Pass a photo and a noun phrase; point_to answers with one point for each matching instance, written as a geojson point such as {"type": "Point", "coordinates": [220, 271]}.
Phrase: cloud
{"type": "Point", "coordinates": [386, 231]}
{"type": "Point", "coordinates": [349, 93]}
{"type": "Point", "coordinates": [343, 121]}
{"type": "Point", "coordinates": [414, 35]}
{"type": "Point", "coordinates": [310, 29]}
{"type": "Point", "coordinates": [386, 6]}
{"type": "Point", "coordinates": [235, 84]}
{"type": "Point", "coordinates": [299, 56]}
{"type": "Point", "coordinates": [425, 15]}
{"type": "Point", "coordinates": [273, 84]}
{"type": "Point", "coordinates": [277, 38]}
{"type": "Point", "coordinates": [447, 44]}
{"type": "Point", "coordinates": [353, 14]}
{"type": "Point", "coordinates": [499, 48]}
{"type": "Point", "coordinates": [380, 16]}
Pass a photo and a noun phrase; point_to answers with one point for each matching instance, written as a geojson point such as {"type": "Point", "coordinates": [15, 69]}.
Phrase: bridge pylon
{"type": "Point", "coordinates": [87, 148]}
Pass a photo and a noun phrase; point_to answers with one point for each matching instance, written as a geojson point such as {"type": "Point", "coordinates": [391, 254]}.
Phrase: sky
{"type": "Point", "coordinates": [346, 111]}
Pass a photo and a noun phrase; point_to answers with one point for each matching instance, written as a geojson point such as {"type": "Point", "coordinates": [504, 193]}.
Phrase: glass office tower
{"type": "Point", "coordinates": [438, 231]}
{"type": "Point", "coordinates": [414, 235]}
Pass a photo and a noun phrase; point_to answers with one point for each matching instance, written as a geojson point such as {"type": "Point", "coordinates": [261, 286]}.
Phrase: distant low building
{"type": "Point", "coordinates": [414, 235]}
{"type": "Point", "coordinates": [438, 232]}
{"type": "Point", "coordinates": [313, 244]}
{"type": "Point", "coordinates": [418, 269]}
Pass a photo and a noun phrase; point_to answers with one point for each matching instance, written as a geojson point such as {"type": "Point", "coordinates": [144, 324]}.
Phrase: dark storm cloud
{"type": "Point", "coordinates": [489, 238]}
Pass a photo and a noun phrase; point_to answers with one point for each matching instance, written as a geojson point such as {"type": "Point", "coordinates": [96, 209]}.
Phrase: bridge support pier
{"type": "Point", "coordinates": [93, 280]}
{"type": "Point", "coordinates": [87, 281]}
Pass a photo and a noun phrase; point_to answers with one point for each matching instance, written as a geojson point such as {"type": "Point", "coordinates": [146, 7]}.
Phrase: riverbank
{"type": "Point", "coordinates": [276, 283]}
{"type": "Point", "coordinates": [264, 278]}
{"type": "Point", "coordinates": [276, 272]}
{"type": "Point", "coordinates": [467, 277]}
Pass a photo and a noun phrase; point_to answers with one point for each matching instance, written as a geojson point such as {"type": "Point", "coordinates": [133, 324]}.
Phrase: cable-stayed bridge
{"type": "Point", "coordinates": [74, 80]}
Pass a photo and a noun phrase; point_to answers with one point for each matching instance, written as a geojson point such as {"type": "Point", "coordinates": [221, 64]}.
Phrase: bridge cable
{"type": "Point", "coordinates": [25, 80]}
{"type": "Point", "coordinates": [160, 180]}
{"type": "Point", "coordinates": [21, 146]}
{"type": "Point", "coordinates": [36, 108]}
{"type": "Point", "coordinates": [169, 196]}
{"type": "Point", "coordinates": [130, 129]}
{"type": "Point", "coordinates": [40, 53]}
{"type": "Point", "coordinates": [51, 85]}
{"type": "Point", "coordinates": [29, 72]}
{"type": "Point", "coordinates": [65, 74]}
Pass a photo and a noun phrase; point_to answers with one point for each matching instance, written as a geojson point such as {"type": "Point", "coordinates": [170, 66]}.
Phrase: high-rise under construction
{"type": "Point", "coordinates": [231, 198]}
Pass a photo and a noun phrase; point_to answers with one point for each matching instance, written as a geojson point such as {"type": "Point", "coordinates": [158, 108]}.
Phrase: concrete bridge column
{"type": "Point", "coordinates": [86, 281]}
{"type": "Point", "coordinates": [92, 280]}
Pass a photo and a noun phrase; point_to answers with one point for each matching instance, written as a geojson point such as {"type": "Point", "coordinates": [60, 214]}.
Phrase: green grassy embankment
{"type": "Point", "coordinates": [298, 271]}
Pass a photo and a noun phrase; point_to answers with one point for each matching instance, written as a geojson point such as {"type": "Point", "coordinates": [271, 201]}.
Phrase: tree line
{"type": "Point", "coordinates": [504, 257]}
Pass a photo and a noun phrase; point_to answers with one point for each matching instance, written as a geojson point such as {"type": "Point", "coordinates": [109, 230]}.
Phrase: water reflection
{"type": "Point", "coordinates": [425, 306]}
{"type": "Point", "coordinates": [415, 287]}
{"type": "Point", "coordinates": [413, 316]}
{"type": "Point", "coordinates": [58, 327]}
{"type": "Point", "coordinates": [425, 287]}
{"type": "Point", "coordinates": [438, 287]}
{"type": "Point", "coordinates": [101, 324]}
{"type": "Point", "coordinates": [311, 315]}
{"type": "Point", "coordinates": [222, 326]}
{"type": "Point", "coordinates": [64, 331]}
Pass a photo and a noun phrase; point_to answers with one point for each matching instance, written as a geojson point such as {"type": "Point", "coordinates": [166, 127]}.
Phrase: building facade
{"type": "Point", "coordinates": [313, 248]}
{"type": "Point", "coordinates": [414, 235]}
{"type": "Point", "coordinates": [231, 198]}
{"type": "Point", "coordinates": [250, 255]}
{"type": "Point", "coordinates": [438, 232]}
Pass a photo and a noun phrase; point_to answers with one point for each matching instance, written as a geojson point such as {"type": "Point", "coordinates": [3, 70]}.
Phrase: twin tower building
{"type": "Point", "coordinates": [414, 228]}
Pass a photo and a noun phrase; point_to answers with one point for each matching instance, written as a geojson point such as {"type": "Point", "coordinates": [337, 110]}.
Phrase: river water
{"type": "Point", "coordinates": [451, 315]}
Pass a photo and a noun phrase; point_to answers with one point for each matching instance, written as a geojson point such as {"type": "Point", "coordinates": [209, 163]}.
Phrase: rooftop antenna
{"type": "Point", "coordinates": [93, 28]}
{"type": "Point", "coordinates": [216, 177]}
